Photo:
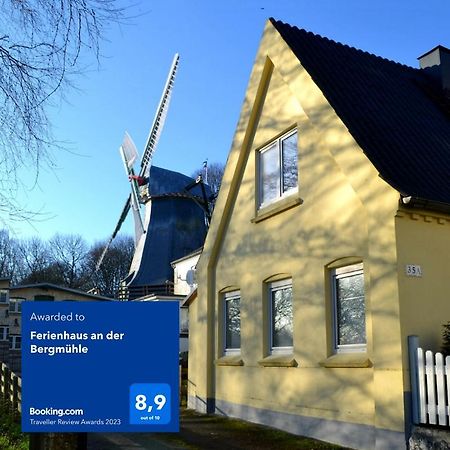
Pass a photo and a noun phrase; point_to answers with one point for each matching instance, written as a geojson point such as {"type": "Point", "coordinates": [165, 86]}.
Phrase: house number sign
{"type": "Point", "coordinates": [413, 270]}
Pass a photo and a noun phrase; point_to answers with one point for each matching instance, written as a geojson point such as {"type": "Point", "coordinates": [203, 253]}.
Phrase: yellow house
{"type": "Point", "coordinates": [329, 245]}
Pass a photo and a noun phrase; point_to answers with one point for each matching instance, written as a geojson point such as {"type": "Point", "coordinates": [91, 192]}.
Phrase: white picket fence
{"type": "Point", "coordinates": [430, 385]}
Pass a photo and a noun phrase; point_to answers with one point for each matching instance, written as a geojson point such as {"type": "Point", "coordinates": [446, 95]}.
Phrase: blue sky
{"type": "Point", "coordinates": [217, 43]}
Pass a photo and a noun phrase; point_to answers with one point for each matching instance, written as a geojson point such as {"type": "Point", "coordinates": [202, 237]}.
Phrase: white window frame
{"type": "Point", "coordinates": [4, 293]}
{"type": "Point", "coordinates": [13, 342]}
{"type": "Point", "coordinates": [281, 194]}
{"type": "Point", "coordinates": [228, 296]}
{"type": "Point", "coordinates": [272, 287]}
{"type": "Point", "coordinates": [4, 333]}
{"type": "Point", "coordinates": [17, 305]}
{"type": "Point", "coordinates": [338, 273]}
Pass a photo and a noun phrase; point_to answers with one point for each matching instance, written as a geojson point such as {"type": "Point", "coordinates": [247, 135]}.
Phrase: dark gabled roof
{"type": "Point", "coordinates": [163, 182]}
{"type": "Point", "coordinates": [396, 113]}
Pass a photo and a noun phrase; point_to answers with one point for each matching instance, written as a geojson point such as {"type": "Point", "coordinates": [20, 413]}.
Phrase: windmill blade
{"type": "Point", "coordinates": [122, 217]}
{"type": "Point", "coordinates": [126, 149]}
{"type": "Point", "coordinates": [138, 223]}
{"type": "Point", "coordinates": [130, 151]}
{"type": "Point", "coordinates": [158, 121]}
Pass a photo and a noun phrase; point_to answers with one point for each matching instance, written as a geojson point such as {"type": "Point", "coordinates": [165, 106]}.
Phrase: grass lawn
{"type": "Point", "coordinates": [7, 444]}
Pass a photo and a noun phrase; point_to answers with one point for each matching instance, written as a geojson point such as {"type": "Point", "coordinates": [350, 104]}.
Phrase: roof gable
{"type": "Point", "coordinates": [394, 112]}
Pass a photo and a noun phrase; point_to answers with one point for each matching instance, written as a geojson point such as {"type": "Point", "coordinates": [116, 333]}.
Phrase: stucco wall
{"type": "Point", "coordinates": [423, 238]}
{"type": "Point", "coordinates": [181, 268]}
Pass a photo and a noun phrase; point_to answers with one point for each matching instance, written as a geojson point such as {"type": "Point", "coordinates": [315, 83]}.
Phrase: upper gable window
{"type": "Point", "coordinates": [278, 172]}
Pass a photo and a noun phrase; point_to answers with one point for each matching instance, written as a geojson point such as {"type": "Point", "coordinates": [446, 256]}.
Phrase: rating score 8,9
{"type": "Point", "coordinates": [150, 403]}
{"type": "Point", "coordinates": [141, 402]}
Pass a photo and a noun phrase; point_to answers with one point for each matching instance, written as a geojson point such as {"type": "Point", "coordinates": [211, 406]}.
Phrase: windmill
{"type": "Point", "coordinates": [168, 222]}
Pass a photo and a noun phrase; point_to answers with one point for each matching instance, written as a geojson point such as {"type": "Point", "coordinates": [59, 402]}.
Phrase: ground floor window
{"type": "Point", "coordinates": [280, 316]}
{"type": "Point", "coordinates": [232, 322]}
{"type": "Point", "coordinates": [349, 308]}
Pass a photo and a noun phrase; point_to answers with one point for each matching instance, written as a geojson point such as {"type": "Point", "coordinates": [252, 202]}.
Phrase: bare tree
{"type": "Point", "coordinates": [65, 260]}
{"type": "Point", "coordinates": [9, 256]}
{"type": "Point", "coordinates": [51, 273]}
{"type": "Point", "coordinates": [212, 175]}
{"type": "Point", "coordinates": [115, 265]}
{"type": "Point", "coordinates": [41, 45]}
{"type": "Point", "coordinates": [38, 263]}
{"type": "Point", "coordinates": [69, 253]}
{"type": "Point", "coordinates": [35, 258]}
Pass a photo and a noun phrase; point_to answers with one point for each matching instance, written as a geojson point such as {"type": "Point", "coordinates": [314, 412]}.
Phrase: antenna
{"type": "Point", "coordinates": [205, 166]}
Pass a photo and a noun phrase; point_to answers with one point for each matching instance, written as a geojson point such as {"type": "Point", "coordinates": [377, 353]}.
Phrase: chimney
{"type": "Point", "coordinates": [436, 62]}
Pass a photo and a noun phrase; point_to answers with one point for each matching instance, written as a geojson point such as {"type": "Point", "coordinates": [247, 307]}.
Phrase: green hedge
{"type": "Point", "coordinates": [11, 436]}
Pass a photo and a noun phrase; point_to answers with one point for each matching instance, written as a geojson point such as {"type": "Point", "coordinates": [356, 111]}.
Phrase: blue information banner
{"type": "Point", "coordinates": [100, 366]}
